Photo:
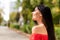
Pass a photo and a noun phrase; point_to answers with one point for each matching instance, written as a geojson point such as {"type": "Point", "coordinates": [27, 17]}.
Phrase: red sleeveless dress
{"type": "Point", "coordinates": [38, 37]}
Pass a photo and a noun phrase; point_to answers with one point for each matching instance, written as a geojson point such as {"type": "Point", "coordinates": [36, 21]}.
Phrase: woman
{"type": "Point", "coordinates": [44, 29]}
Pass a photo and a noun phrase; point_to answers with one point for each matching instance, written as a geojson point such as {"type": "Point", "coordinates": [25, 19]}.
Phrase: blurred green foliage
{"type": "Point", "coordinates": [57, 31]}
{"type": "Point", "coordinates": [27, 28]}
{"type": "Point", "coordinates": [1, 18]}
{"type": "Point", "coordinates": [14, 26]}
{"type": "Point", "coordinates": [12, 16]}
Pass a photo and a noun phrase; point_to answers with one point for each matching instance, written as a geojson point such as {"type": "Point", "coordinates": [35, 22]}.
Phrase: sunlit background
{"type": "Point", "coordinates": [7, 6]}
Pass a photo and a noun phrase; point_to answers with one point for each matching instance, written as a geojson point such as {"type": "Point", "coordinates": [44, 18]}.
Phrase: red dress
{"type": "Point", "coordinates": [38, 37]}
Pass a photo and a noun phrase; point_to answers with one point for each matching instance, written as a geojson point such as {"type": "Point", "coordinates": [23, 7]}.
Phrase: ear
{"type": "Point", "coordinates": [41, 15]}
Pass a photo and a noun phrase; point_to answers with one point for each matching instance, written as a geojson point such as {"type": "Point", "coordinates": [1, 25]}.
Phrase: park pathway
{"type": "Point", "coordinates": [7, 34]}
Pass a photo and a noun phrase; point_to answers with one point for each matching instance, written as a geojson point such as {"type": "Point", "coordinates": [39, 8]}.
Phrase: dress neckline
{"type": "Point", "coordinates": [39, 34]}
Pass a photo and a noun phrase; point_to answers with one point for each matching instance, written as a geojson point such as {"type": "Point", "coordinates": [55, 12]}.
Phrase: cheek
{"type": "Point", "coordinates": [34, 17]}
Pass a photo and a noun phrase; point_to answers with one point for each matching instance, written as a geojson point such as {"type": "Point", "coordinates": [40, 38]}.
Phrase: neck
{"type": "Point", "coordinates": [39, 22]}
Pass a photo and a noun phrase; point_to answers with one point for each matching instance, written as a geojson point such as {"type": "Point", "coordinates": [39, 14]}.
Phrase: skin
{"type": "Point", "coordinates": [40, 28]}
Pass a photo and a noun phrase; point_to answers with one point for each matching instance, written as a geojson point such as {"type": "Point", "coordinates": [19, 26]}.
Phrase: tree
{"type": "Point", "coordinates": [17, 5]}
{"type": "Point", "coordinates": [17, 16]}
{"type": "Point", "coordinates": [27, 7]}
{"type": "Point", "coordinates": [34, 3]}
{"type": "Point", "coordinates": [12, 16]}
{"type": "Point", "coordinates": [1, 18]}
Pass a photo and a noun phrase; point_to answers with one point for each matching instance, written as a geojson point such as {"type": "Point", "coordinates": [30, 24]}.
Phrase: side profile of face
{"type": "Point", "coordinates": [36, 14]}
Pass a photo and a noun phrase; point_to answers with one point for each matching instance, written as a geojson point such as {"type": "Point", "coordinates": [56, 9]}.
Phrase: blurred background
{"type": "Point", "coordinates": [16, 14]}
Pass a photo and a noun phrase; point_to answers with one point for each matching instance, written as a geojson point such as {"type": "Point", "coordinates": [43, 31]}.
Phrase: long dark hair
{"type": "Point", "coordinates": [47, 20]}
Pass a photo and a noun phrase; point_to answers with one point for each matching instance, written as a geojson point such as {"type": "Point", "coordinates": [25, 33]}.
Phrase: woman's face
{"type": "Point", "coordinates": [36, 14]}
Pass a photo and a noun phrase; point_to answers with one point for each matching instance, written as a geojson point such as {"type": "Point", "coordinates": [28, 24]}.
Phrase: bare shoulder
{"type": "Point", "coordinates": [37, 28]}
